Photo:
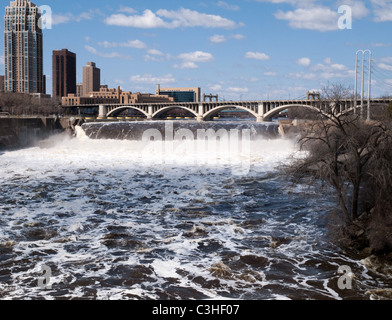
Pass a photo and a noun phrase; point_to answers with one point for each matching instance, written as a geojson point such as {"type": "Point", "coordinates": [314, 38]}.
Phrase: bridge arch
{"type": "Point", "coordinates": [216, 110]}
{"type": "Point", "coordinates": [165, 109]}
{"type": "Point", "coordinates": [268, 116]}
{"type": "Point", "coordinates": [118, 110]}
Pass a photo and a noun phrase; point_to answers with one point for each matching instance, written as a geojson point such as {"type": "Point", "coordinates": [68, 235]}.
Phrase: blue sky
{"type": "Point", "coordinates": [247, 49]}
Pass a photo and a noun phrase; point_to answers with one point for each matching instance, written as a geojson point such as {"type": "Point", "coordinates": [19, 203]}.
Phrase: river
{"type": "Point", "coordinates": [165, 216]}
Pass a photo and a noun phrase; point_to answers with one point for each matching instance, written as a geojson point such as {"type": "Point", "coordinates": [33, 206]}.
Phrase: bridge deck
{"type": "Point", "coordinates": [262, 109]}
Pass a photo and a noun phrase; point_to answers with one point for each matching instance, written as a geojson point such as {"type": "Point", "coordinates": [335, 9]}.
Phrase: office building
{"type": "Point", "coordinates": [79, 89]}
{"type": "Point", "coordinates": [91, 78]}
{"type": "Point", "coordinates": [23, 54]}
{"type": "Point", "coordinates": [110, 96]}
{"type": "Point", "coordinates": [64, 73]}
{"type": "Point", "coordinates": [180, 94]}
{"type": "Point", "coordinates": [1, 84]}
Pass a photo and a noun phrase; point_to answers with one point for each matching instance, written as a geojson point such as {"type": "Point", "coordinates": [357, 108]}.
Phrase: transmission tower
{"type": "Point", "coordinates": [363, 52]}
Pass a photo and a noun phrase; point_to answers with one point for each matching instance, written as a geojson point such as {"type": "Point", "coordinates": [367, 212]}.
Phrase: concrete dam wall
{"type": "Point", "coordinates": [24, 132]}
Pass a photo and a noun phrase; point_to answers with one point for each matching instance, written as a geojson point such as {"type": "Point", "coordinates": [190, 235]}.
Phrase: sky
{"type": "Point", "coordinates": [240, 50]}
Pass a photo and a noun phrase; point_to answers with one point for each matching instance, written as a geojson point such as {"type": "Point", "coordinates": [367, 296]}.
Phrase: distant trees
{"type": "Point", "coordinates": [25, 104]}
{"type": "Point", "coordinates": [354, 158]}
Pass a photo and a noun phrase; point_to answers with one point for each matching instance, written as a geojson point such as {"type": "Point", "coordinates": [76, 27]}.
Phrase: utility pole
{"type": "Point", "coordinates": [363, 82]}
{"type": "Point", "coordinates": [370, 84]}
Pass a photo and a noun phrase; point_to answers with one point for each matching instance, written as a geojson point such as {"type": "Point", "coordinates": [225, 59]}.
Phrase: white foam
{"type": "Point", "coordinates": [154, 198]}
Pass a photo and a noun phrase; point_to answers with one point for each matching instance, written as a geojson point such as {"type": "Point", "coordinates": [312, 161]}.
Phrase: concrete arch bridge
{"type": "Point", "coordinates": [261, 110]}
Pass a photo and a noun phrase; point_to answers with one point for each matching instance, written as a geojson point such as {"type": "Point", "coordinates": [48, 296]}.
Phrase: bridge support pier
{"type": "Point", "coordinates": [149, 115]}
{"type": "Point", "coordinates": [200, 113]}
{"type": "Point", "coordinates": [260, 112]}
{"type": "Point", "coordinates": [103, 111]}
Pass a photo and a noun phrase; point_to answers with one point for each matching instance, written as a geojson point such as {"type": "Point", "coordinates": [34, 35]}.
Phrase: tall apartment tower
{"type": "Point", "coordinates": [23, 61]}
{"type": "Point", "coordinates": [64, 73]}
{"type": "Point", "coordinates": [91, 78]}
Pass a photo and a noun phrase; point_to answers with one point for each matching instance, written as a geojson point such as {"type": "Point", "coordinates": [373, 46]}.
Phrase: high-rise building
{"type": "Point", "coordinates": [91, 78]}
{"type": "Point", "coordinates": [23, 61]}
{"type": "Point", "coordinates": [1, 84]}
{"type": "Point", "coordinates": [64, 73]}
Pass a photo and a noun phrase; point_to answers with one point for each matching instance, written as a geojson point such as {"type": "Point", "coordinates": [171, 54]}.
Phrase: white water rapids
{"type": "Point", "coordinates": [121, 219]}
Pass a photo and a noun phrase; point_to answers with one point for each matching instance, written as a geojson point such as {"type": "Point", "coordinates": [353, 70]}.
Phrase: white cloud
{"type": "Point", "coordinates": [227, 6]}
{"type": "Point", "coordinates": [304, 62]}
{"type": "Point", "coordinates": [129, 44]}
{"type": "Point", "coordinates": [118, 81]}
{"type": "Point", "coordinates": [270, 74]}
{"type": "Point", "coordinates": [110, 55]}
{"type": "Point", "coordinates": [387, 59]}
{"type": "Point", "coordinates": [150, 79]}
{"type": "Point", "coordinates": [197, 56]}
{"type": "Point", "coordinates": [69, 17]}
{"type": "Point", "coordinates": [146, 21]}
{"type": "Point", "coordinates": [127, 10]}
{"type": "Point", "coordinates": [237, 36]}
{"type": "Point", "coordinates": [186, 65]}
{"type": "Point", "coordinates": [384, 66]}
{"type": "Point", "coordinates": [2, 60]}
{"type": "Point", "coordinates": [303, 75]}
{"type": "Point", "coordinates": [190, 59]}
{"type": "Point", "coordinates": [358, 8]}
{"type": "Point", "coordinates": [238, 90]}
{"type": "Point", "coordinates": [293, 2]}
{"type": "Point", "coordinates": [217, 38]}
{"type": "Point", "coordinates": [329, 66]}
{"type": "Point", "coordinates": [156, 55]}
{"type": "Point", "coordinates": [174, 19]}
{"type": "Point", "coordinates": [324, 71]}
{"type": "Point", "coordinates": [316, 18]}
{"type": "Point", "coordinates": [189, 18]}
{"type": "Point", "coordinates": [155, 52]}
{"type": "Point", "coordinates": [216, 87]}
{"type": "Point", "coordinates": [61, 18]}
{"type": "Point", "coordinates": [380, 44]}
{"type": "Point", "coordinates": [382, 10]}
{"type": "Point", "coordinates": [312, 15]}
{"type": "Point", "coordinates": [256, 55]}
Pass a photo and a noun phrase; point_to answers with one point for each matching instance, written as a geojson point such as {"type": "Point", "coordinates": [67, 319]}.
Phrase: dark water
{"type": "Point", "coordinates": [112, 221]}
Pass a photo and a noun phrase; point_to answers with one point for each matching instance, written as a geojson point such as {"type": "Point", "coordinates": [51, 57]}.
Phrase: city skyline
{"type": "Point", "coordinates": [256, 49]}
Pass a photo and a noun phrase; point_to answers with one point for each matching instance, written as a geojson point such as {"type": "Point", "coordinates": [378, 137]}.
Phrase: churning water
{"type": "Point", "coordinates": [102, 218]}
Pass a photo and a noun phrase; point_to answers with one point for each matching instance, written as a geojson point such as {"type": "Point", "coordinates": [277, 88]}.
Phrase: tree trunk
{"type": "Point", "coordinates": [354, 201]}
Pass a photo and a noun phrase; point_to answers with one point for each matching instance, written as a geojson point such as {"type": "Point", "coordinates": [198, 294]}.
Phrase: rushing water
{"type": "Point", "coordinates": [134, 219]}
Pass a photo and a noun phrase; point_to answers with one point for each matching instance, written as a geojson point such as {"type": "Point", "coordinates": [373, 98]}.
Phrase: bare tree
{"type": "Point", "coordinates": [341, 150]}
{"type": "Point", "coordinates": [25, 104]}
{"type": "Point", "coordinates": [354, 158]}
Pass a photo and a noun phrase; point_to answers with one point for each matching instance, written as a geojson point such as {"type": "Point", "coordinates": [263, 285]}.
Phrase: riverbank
{"type": "Point", "coordinates": [367, 238]}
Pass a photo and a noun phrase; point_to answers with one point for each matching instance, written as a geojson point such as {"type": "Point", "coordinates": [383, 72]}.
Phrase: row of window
{"type": "Point", "coordinates": [20, 10]}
